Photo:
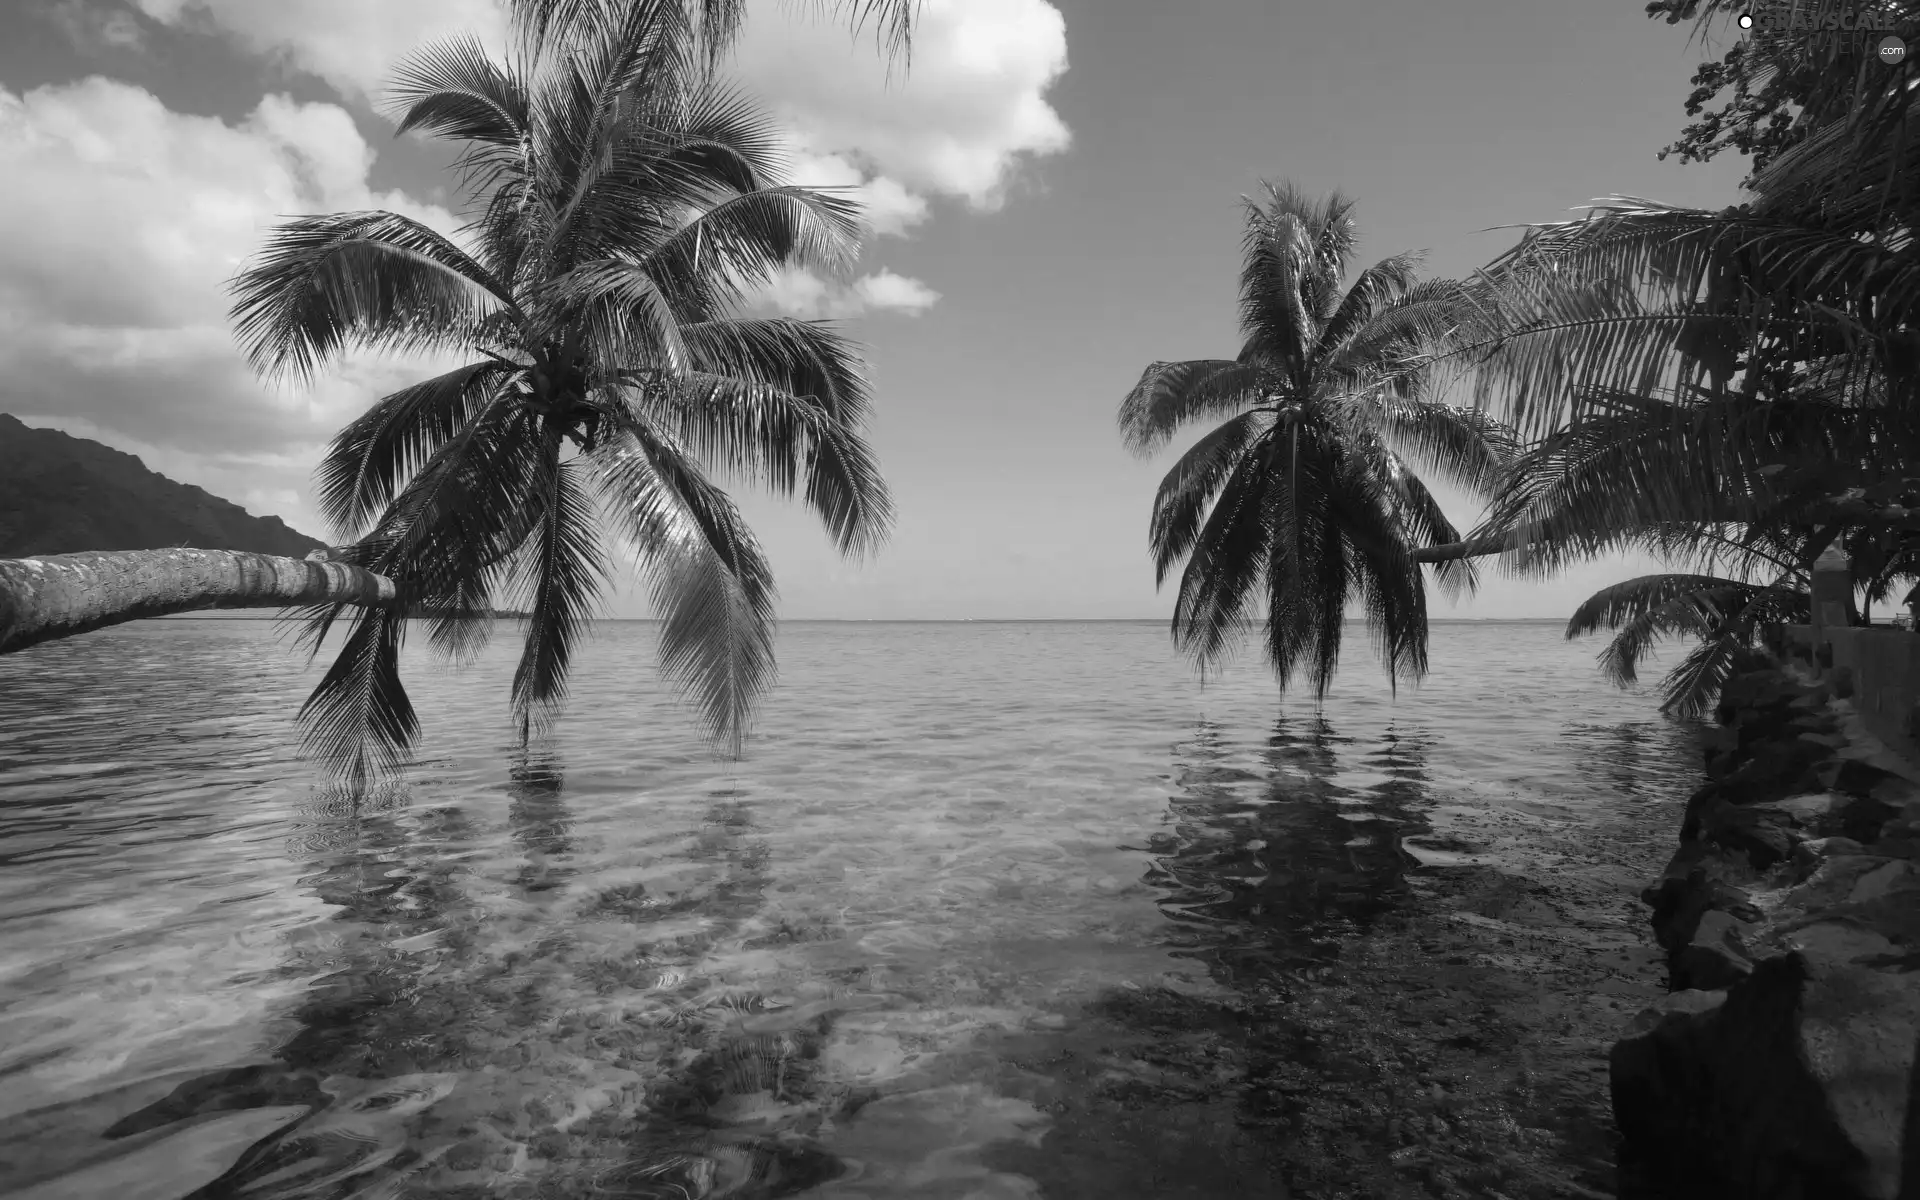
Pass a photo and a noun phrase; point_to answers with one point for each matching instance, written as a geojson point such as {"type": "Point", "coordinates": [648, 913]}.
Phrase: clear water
{"type": "Point", "coordinates": [616, 966]}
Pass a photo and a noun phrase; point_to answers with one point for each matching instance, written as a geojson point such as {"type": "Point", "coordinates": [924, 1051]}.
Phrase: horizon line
{"type": "Point", "coordinates": [231, 615]}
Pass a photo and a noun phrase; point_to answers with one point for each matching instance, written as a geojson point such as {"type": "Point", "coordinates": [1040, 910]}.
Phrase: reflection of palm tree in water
{"type": "Point", "coordinates": [413, 1022]}
{"type": "Point", "coordinates": [1286, 861]}
{"type": "Point", "coordinates": [395, 878]}
{"type": "Point", "coordinates": [378, 1036]}
{"type": "Point", "coordinates": [540, 820]}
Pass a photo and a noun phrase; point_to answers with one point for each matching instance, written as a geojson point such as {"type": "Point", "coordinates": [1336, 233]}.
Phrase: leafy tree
{"type": "Point", "coordinates": [1731, 389]}
{"type": "Point", "coordinates": [1778, 84]}
{"type": "Point", "coordinates": [1305, 498]}
{"type": "Point", "coordinates": [624, 202]}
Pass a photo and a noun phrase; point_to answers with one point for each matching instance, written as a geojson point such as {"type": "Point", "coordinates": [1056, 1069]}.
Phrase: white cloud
{"type": "Point", "coordinates": [887, 206]}
{"type": "Point", "coordinates": [352, 44]}
{"type": "Point", "coordinates": [803, 294]}
{"type": "Point", "coordinates": [128, 220]}
{"type": "Point", "coordinates": [959, 121]}
{"type": "Point", "coordinates": [884, 289]}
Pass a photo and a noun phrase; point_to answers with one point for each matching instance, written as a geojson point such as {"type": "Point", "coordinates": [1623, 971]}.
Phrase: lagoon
{"type": "Point", "coordinates": [989, 910]}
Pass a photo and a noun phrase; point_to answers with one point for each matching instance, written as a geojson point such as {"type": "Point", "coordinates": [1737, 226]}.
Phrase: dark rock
{"type": "Point", "coordinates": [1792, 1085]}
{"type": "Point", "coordinates": [1693, 884]}
{"type": "Point", "coordinates": [1810, 854]}
{"type": "Point", "coordinates": [1765, 836]}
{"type": "Point", "coordinates": [1716, 957]}
{"type": "Point", "coordinates": [1854, 777]}
{"type": "Point", "coordinates": [1813, 700]}
{"type": "Point", "coordinates": [1863, 819]}
{"type": "Point", "coordinates": [1777, 768]}
{"type": "Point", "coordinates": [1785, 1066]}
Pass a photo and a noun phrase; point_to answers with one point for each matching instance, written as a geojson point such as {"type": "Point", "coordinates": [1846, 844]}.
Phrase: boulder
{"type": "Point", "coordinates": [1764, 835]}
{"type": "Point", "coordinates": [1784, 1065]}
{"type": "Point", "coordinates": [1716, 957]}
{"type": "Point", "coordinates": [1789, 1086]}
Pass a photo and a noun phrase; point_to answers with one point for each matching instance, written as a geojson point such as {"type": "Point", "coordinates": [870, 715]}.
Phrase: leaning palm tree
{"type": "Point", "coordinates": [1305, 498]}
{"type": "Point", "coordinates": [624, 204]}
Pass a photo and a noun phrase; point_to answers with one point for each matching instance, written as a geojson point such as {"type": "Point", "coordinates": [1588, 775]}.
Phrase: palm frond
{"type": "Point", "coordinates": [727, 141]}
{"type": "Point", "coordinates": [367, 462]}
{"type": "Point", "coordinates": [1374, 521]}
{"type": "Point", "coordinates": [1187, 492]}
{"type": "Point", "coordinates": [1691, 688]}
{"type": "Point", "coordinates": [452, 89]}
{"type": "Point", "coordinates": [1420, 521]}
{"type": "Point", "coordinates": [768, 435]}
{"type": "Point", "coordinates": [1633, 471]}
{"type": "Point", "coordinates": [1465, 446]}
{"type": "Point", "coordinates": [1170, 394]}
{"type": "Point", "coordinates": [450, 536]}
{"type": "Point", "coordinates": [560, 579]}
{"type": "Point", "coordinates": [1227, 560]}
{"type": "Point", "coordinates": [1644, 297]}
{"type": "Point", "coordinates": [1308, 566]}
{"type": "Point", "coordinates": [359, 720]}
{"type": "Point", "coordinates": [1648, 608]}
{"type": "Point", "coordinates": [710, 583]}
{"type": "Point", "coordinates": [373, 279]}
{"type": "Point", "coordinates": [1280, 254]}
{"type": "Point", "coordinates": [754, 235]}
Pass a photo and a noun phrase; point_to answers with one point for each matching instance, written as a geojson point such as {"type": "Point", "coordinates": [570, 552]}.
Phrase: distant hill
{"type": "Point", "coordinates": [61, 494]}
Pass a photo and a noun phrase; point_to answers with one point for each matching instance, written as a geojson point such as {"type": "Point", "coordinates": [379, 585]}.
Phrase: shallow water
{"type": "Point", "coordinates": [615, 966]}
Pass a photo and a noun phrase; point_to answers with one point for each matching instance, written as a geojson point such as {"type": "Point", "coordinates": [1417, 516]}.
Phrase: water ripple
{"type": "Point", "coordinates": [620, 966]}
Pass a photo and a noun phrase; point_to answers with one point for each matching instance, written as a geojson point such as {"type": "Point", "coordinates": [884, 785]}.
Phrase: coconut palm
{"type": "Point", "coordinates": [1305, 498]}
{"type": "Point", "coordinates": [624, 205]}
{"type": "Point", "coordinates": [1733, 390]}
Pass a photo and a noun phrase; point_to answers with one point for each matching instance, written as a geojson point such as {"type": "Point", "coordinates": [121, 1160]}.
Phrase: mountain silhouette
{"type": "Point", "coordinates": [61, 494]}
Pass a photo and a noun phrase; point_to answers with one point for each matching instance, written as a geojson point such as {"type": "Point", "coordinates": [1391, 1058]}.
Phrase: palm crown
{"type": "Point", "coordinates": [1306, 487]}
{"type": "Point", "coordinates": [623, 204]}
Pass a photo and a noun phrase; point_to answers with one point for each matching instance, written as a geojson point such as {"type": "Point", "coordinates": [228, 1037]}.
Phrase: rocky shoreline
{"type": "Point", "coordinates": [1782, 1063]}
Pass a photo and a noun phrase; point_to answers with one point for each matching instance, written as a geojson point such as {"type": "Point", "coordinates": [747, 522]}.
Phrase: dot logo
{"type": "Point", "coordinates": [1746, 20]}
{"type": "Point", "coordinates": [1893, 51]}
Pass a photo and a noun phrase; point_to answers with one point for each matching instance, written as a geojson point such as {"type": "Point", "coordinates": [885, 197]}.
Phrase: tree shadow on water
{"type": "Point", "coordinates": [1280, 855]}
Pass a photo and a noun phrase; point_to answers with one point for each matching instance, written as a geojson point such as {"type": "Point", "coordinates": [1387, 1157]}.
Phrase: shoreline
{"type": "Point", "coordinates": [1783, 1062]}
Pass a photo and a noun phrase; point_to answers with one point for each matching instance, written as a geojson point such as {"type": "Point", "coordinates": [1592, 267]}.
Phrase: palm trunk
{"type": "Point", "coordinates": [61, 595]}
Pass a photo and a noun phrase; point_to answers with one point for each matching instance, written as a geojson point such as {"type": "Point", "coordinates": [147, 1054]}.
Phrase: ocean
{"type": "Point", "coordinates": [847, 966]}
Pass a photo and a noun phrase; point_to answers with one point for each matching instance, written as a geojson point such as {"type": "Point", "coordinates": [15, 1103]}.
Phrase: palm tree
{"type": "Point", "coordinates": [1304, 499]}
{"type": "Point", "coordinates": [624, 203]}
{"type": "Point", "coordinates": [1733, 390]}
{"type": "Point", "coordinates": [59, 595]}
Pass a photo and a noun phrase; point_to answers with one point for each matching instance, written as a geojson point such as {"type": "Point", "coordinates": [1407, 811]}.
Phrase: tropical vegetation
{"type": "Point", "coordinates": [1732, 390]}
{"type": "Point", "coordinates": [624, 203]}
{"type": "Point", "coordinates": [1307, 495]}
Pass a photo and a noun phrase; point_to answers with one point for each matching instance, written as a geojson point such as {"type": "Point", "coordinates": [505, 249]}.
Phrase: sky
{"type": "Point", "coordinates": [1054, 188]}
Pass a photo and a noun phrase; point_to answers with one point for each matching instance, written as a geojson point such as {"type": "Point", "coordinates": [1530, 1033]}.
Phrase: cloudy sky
{"type": "Point", "coordinates": [1054, 189]}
